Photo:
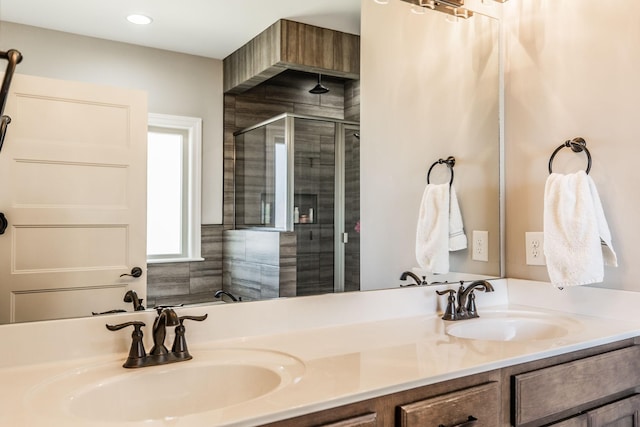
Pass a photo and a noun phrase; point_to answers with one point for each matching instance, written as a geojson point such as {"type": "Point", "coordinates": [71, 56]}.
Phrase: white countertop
{"type": "Point", "coordinates": [344, 362]}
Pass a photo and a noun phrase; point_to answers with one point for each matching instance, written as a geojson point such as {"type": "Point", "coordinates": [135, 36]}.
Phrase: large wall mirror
{"type": "Point", "coordinates": [429, 89]}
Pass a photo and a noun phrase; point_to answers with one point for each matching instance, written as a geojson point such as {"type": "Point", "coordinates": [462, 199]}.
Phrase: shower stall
{"type": "Point", "coordinates": [299, 175]}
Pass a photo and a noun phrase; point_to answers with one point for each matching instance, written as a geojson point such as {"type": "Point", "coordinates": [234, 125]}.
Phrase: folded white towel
{"type": "Point", "coordinates": [439, 229]}
{"type": "Point", "coordinates": [577, 240]}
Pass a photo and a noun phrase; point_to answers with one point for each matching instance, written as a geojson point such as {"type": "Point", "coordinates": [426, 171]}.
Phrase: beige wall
{"type": "Point", "coordinates": [176, 84]}
{"type": "Point", "coordinates": [429, 89]}
{"type": "Point", "coordinates": [572, 70]}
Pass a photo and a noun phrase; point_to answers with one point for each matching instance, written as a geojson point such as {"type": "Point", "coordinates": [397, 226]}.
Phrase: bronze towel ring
{"type": "Point", "coordinates": [577, 145]}
{"type": "Point", "coordinates": [450, 162]}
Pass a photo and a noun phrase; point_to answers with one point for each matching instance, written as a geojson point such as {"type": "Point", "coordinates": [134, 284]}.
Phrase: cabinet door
{"type": "Point", "coordinates": [454, 409]}
{"type": "Point", "coordinates": [368, 420]}
{"type": "Point", "coordinates": [623, 413]}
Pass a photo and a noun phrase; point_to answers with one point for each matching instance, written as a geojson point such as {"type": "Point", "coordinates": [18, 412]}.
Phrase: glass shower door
{"type": "Point", "coordinates": [313, 211]}
{"type": "Point", "coordinates": [326, 209]}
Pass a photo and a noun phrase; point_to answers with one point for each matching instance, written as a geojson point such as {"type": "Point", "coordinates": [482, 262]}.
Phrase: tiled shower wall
{"type": "Point", "coordinates": [188, 282]}
{"type": "Point", "coordinates": [259, 264]}
{"type": "Point", "coordinates": [289, 93]}
{"type": "Point", "coordinates": [195, 282]}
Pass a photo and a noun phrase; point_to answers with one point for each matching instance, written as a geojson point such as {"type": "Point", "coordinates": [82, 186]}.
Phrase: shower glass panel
{"type": "Point", "coordinates": [314, 205]}
{"type": "Point", "coordinates": [261, 177]}
{"type": "Point", "coordinates": [300, 174]}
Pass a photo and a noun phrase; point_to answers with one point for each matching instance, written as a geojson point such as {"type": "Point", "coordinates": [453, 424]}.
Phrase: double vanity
{"type": "Point", "coordinates": [535, 356]}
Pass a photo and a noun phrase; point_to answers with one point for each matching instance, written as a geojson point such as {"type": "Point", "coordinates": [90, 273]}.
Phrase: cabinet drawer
{"type": "Point", "coordinates": [558, 388]}
{"type": "Point", "coordinates": [453, 409]}
{"type": "Point", "coordinates": [368, 420]}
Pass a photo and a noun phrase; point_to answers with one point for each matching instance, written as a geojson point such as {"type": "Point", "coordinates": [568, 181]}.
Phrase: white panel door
{"type": "Point", "coordinates": [73, 189]}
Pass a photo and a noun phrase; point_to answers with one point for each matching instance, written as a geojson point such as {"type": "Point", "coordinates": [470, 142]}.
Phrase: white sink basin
{"type": "Point", "coordinates": [512, 326]}
{"type": "Point", "coordinates": [214, 379]}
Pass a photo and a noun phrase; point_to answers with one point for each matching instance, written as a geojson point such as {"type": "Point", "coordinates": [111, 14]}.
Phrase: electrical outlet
{"type": "Point", "coordinates": [534, 242]}
{"type": "Point", "coordinates": [480, 246]}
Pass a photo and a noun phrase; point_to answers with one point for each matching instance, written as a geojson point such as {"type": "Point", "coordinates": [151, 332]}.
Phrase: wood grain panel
{"type": "Point", "coordinates": [623, 413]}
{"type": "Point", "coordinates": [481, 402]}
{"type": "Point", "coordinates": [368, 420]}
{"type": "Point", "coordinates": [291, 45]}
{"type": "Point", "coordinates": [254, 62]}
{"type": "Point", "coordinates": [552, 390]}
{"type": "Point", "coordinates": [577, 421]}
{"type": "Point", "coordinates": [307, 45]}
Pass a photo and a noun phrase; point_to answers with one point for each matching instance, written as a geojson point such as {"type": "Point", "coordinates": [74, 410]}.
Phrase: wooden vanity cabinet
{"type": "Point", "coordinates": [555, 389]}
{"type": "Point", "coordinates": [595, 387]}
{"type": "Point", "coordinates": [449, 404]}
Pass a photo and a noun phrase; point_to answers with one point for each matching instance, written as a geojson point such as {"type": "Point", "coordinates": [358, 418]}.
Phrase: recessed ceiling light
{"type": "Point", "coordinates": [139, 19]}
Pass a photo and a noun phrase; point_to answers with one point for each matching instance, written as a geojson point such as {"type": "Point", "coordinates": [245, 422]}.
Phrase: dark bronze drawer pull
{"type": "Point", "coordinates": [471, 421]}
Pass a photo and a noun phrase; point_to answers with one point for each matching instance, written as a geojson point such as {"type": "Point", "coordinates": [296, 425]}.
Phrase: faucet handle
{"type": "Point", "coordinates": [136, 326]}
{"type": "Point", "coordinates": [137, 352]}
{"type": "Point", "coordinates": [179, 347]}
{"type": "Point", "coordinates": [196, 318]}
{"type": "Point", "coordinates": [450, 312]}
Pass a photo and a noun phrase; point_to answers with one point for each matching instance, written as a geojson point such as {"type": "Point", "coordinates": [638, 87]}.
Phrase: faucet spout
{"type": "Point", "coordinates": [132, 297]}
{"type": "Point", "coordinates": [166, 317]}
{"type": "Point", "coordinates": [468, 309]}
{"type": "Point", "coordinates": [465, 299]}
{"type": "Point", "coordinates": [220, 293]}
{"type": "Point", "coordinates": [414, 276]}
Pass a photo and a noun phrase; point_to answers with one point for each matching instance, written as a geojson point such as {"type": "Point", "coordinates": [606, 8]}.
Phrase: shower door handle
{"type": "Point", "coordinates": [345, 237]}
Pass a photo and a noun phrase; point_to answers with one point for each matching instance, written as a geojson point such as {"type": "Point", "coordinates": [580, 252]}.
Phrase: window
{"type": "Point", "coordinates": [174, 147]}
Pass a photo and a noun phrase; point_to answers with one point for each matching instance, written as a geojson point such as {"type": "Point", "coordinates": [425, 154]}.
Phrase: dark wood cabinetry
{"type": "Point", "coordinates": [595, 387]}
{"type": "Point", "coordinates": [542, 393]}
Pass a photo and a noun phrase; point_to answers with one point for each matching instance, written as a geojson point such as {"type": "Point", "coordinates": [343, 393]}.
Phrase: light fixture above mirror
{"type": "Point", "coordinates": [454, 8]}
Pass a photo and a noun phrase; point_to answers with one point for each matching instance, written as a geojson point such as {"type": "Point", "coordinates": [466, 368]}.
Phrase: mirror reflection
{"type": "Point", "coordinates": [430, 91]}
{"type": "Point", "coordinates": [300, 259]}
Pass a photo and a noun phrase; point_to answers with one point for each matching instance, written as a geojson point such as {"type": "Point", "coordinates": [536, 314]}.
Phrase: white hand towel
{"type": "Point", "coordinates": [432, 235]}
{"type": "Point", "coordinates": [439, 228]}
{"type": "Point", "coordinates": [457, 238]}
{"type": "Point", "coordinates": [576, 234]}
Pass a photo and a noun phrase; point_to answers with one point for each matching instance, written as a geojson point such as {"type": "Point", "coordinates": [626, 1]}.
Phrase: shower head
{"type": "Point", "coordinates": [319, 88]}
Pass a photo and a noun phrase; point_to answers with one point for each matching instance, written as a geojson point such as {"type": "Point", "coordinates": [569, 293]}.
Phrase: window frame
{"type": "Point", "coordinates": [193, 128]}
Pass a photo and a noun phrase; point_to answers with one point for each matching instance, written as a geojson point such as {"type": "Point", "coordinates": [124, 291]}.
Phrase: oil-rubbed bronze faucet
{"type": "Point", "coordinates": [415, 278]}
{"type": "Point", "coordinates": [159, 355]}
{"type": "Point", "coordinates": [220, 293]}
{"type": "Point", "coordinates": [132, 297]}
{"type": "Point", "coordinates": [466, 300]}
